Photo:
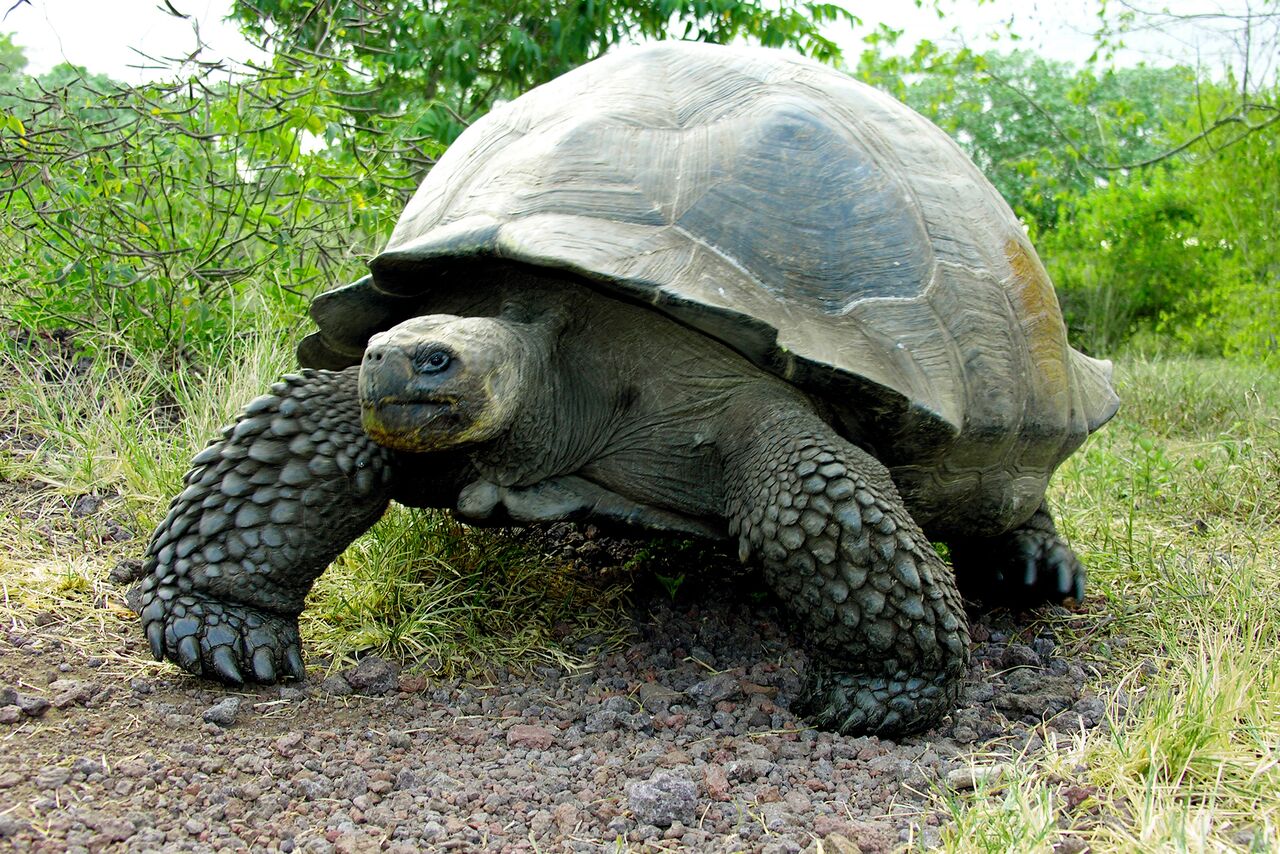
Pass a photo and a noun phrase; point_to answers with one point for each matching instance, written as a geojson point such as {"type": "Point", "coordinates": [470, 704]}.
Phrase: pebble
{"type": "Point", "coordinates": [656, 697]}
{"type": "Point", "coordinates": [974, 776]}
{"type": "Point", "coordinates": [663, 799]}
{"type": "Point", "coordinates": [32, 706]}
{"type": "Point", "coordinates": [337, 686]}
{"type": "Point", "coordinates": [373, 677]}
{"type": "Point", "coordinates": [223, 713]}
{"type": "Point", "coordinates": [525, 735]}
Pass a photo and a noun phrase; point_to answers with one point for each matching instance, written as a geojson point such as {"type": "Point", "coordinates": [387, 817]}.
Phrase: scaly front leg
{"type": "Point", "coordinates": [878, 607]}
{"type": "Point", "coordinates": [267, 507]}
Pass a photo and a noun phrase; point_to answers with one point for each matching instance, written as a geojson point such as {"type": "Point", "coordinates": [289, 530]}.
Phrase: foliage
{"type": "Point", "coordinates": [442, 64]}
{"type": "Point", "coordinates": [1037, 128]}
{"type": "Point", "coordinates": [1183, 254]}
{"type": "Point", "coordinates": [140, 210]}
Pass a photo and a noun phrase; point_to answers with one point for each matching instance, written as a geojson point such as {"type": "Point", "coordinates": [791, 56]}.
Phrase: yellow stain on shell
{"type": "Point", "coordinates": [1036, 305]}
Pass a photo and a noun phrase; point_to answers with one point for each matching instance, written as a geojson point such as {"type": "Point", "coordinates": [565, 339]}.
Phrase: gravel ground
{"type": "Point", "coordinates": [682, 741]}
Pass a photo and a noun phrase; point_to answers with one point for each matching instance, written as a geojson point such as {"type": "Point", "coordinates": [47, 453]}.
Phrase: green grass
{"type": "Point", "coordinates": [1173, 506]}
{"type": "Point", "coordinates": [1175, 509]}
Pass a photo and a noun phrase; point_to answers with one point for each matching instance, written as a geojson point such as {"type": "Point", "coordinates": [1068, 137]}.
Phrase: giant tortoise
{"type": "Point", "coordinates": [714, 291]}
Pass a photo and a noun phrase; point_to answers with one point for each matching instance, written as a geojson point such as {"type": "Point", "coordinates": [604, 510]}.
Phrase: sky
{"type": "Point", "coordinates": [107, 36]}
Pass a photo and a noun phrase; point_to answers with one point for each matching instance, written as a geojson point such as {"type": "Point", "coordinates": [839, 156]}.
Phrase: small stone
{"type": "Point", "coordinates": [1020, 655]}
{"type": "Point", "coordinates": [836, 843]}
{"type": "Point", "coordinates": [10, 714]}
{"type": "Point", "coordinates": [337, 686]}
{"type": "Point", "coordinates": [86, 505]}
{"type": "Point", "coordinates": [117, 829]}
{"type": "Point", "coordinates": [526, 735]}
{"type": "Point", "coordinates": [32, 707]}
{"type": "Point", "coordinates": [413, 683]}
{"type": "Point", "coordinates": [656, 697]}
{"type": "Point", "coordinates": [373, 676]}
{"type": "Point", "coordinates": [722, 686]}
{"type": "Point", "coordinates": [8, 696]}
{"type": "Point", "coordinates": [52, 776]}
{"type": "Point", "coordinates": [9, 779]}
{"type": "Point", "coordinates": [776, 816]}
{"type": "Point", "coordinates": [126, 571]}
{"type": "Point", "coordinates": [674, 758]}
{"type": "Point", "coordinates": [750, 688]}
{"type": "Point", "coordinates": [70, 692]}
{"type": "Point", "coordinates": [566, 816]}
{"type": "Point", "coordinates": [663, 799]}
{"type": "Point", "coordinates": [399, 739]}
{"type": "Point", "coordinates": [288, 743]}
{"type": "Point", "coordinates": [750, 769]}
{"type": "Point", "coordinates": [716, 781]}
{"type": "Point", "coordinates": [223, 713]}
{"type": "Point", "coordinates": [973, 776]}
{"type": "Point", "coordinates": [11, 826]}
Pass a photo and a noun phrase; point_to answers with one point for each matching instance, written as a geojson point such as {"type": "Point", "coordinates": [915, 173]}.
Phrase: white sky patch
{"type": "Point", "coordinates": [106, 35]}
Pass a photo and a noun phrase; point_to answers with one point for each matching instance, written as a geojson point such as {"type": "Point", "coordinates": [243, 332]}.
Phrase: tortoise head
{"type": "Point", "coordinates": [440, 381]}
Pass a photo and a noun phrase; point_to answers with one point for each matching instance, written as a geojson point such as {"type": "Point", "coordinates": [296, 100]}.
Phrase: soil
{"type": "Point", "coordinates": [683, 740]}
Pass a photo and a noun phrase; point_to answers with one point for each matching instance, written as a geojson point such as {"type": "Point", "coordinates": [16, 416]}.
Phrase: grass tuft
{"type": "Point", "coordinates": [422, 587]}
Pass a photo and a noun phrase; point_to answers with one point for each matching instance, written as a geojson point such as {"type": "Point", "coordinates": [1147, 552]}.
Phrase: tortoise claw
{"type": "Point", "coordinates": [155, 637]}
{"type": "Point", "coordinates": [293, 659]}
{"type": "Point", "coordinates": [224, 665]}
{"type": "Point", "coordinates": [264, 670]}
{"type": "Point", "coordinates": [189, 655]}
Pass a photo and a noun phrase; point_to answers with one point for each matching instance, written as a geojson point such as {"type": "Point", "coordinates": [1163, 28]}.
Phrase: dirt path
{"type": "Point", "coordinates": [683, 741]}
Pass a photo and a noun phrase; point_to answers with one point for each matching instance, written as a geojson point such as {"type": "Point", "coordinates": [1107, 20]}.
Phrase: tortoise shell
{"type": "Point", "coordinates": [824, 230]}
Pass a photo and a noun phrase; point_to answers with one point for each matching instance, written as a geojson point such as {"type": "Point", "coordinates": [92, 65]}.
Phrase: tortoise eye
{"type": "Point", "coordinates": [434, 361]}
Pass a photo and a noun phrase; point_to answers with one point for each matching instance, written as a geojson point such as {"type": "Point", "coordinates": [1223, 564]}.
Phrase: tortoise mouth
{"type": "Point", "coordinates": [396, 400]}
{"type": "Point", "coordinates": [410, 424]}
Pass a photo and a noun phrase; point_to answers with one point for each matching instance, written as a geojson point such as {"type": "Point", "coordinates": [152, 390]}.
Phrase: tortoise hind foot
{"type": "Point", "coordinates": [1026, 567]}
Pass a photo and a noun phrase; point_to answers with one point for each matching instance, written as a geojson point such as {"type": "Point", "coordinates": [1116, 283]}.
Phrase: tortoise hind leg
{"type": "Point", "coordinates": [1028, 566]}
{"type": "Point", "coordinates": [885, 624]}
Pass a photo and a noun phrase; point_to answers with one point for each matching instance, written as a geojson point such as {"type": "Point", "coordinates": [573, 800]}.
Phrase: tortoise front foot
{"type": "Point", "coordinates": [857, 702]}
{"type": "Point", "coordinates": [1028, 566]}
{"type": "Point", "coordinates": [265, 510]}
{"type": "Point", "coordinates": [227, 641]}
{"type": "Point", "coordinates": [884, 623]}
